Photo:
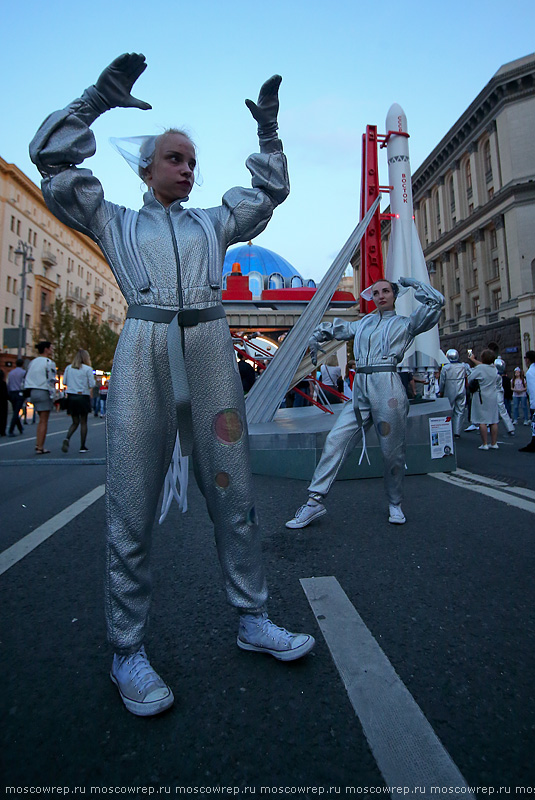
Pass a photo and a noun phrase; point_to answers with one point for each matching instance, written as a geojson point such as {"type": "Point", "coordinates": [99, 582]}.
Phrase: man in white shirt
{"type": "Point", "coordinates": [530, 381]}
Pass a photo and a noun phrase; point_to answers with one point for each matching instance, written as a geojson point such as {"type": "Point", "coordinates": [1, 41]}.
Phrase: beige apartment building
{"type": "Point", "coordinates": [66, 264]}
{"type": "Point", "coordinates": [474, 206]}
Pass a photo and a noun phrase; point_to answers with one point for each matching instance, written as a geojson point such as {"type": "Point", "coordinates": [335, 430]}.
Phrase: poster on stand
{"type": "Point", "coordinates": [440, 436]}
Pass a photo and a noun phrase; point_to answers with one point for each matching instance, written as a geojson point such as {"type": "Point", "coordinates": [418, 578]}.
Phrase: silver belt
{"type": "Point", "coordinates": [376, 368]}
{"type": "Point", "coordinates": [185, 318]}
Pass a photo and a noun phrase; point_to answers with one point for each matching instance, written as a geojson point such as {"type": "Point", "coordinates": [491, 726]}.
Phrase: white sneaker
{"type": "Point", "coordinates": [142, 690]}
{"type": "Point", "coordinates": [493, 447]}
{"type": "Point", "coordinates": [471, 428]}
{"type": "Point", "coordinates": [483, 447]}
{"type": "Point", "coordinates": [259, 634]}
{"type": "Point", "coordinates": [305, 514]}
{"type": "Point", "coordinates": [397, 517]}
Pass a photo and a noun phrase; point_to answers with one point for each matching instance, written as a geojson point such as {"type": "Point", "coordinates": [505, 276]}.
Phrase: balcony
{"type": "Point", "coordinates": [77, 297]}
{"type": "Point", "coordinates": [99, 291]}
{"type": "Point", "coordinates": [48, 258]}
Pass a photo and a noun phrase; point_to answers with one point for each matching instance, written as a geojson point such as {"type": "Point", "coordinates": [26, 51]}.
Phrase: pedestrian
{"type": "Point", "coordinates": [15, 383]}
{"type": "Point", "coordinates": [484, 411]}
{"type": "Point", "coordinates": [95, 400]}
{"type": "Point", "coordinates": [380, 340]}
{"type": "Point", "coordinates": [247, 373]}
{"type": "Point", "coordinates": [499, 363]}
{"type": "Point", "coordinates": [3, 403]}
{"type": "Point", "coordinates": [407, 379]}
{"type": "Point", "coordinates": [530, 382]}
{"type": "Point", "coordinates": [168, 264]}
{"type": "Point", "coordinates": [41, 380]}
{"type": "Point", "coordinates": [520, 399]}
{"type": "Point", "coordinates": [79, 380]}
{"type": "Point", "coordinates": [103, 397]}
{"type": "Point", "coordinates": [331, 378]}
{"type": "Point", "coordinates": [507, 392]}
{"type": "Point", "coordinates": [452, 384]}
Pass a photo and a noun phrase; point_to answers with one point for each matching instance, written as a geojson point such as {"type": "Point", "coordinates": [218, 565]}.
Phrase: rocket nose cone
{"type": "Point", "coordinates": [396, 119]}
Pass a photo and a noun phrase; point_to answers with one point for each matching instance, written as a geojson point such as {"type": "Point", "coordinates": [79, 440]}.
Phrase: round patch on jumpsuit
{"type": "Point", "coordinates": [222, 480]}
{"type": "Point", "coordinates": [251, 516]}
{"type": "Point", "coordinates": [383, 428]}
{"type": "Point", "coordinates": [393, 403]}
{"type": "Point", "coordinates": [228, 426]}
{"type": "Point", "coordinates": [395, 470]}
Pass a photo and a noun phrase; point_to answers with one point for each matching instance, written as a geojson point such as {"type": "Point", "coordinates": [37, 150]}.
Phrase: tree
{"type": "Point", "coordinates": [98, 339]}
{"type": "Point", "coordinates": [57, 326]}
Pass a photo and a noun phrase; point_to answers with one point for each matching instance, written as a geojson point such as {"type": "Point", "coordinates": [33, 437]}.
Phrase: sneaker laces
{"type": "Point", "coordinates": [143, 675]}
{"type": "Point", "coordinates": [300, 511]}
{"type": "Point", "coordinates": [274, 631]}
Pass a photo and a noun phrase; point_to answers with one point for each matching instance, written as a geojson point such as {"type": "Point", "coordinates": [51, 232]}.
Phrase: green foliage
{"type": "Point", "coordinates": [57, 326]}
{"type": "Point", "coordinates": [69, 334]}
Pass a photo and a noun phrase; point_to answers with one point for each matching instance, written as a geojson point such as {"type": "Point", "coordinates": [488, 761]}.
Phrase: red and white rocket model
{"type": "Point", "coordinates": [405, 256]}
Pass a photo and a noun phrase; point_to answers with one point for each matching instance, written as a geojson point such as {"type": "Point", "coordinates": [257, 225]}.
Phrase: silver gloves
{"type": "Point", "coordinates": [115, 83]}
{"type": "Point", "coordinates": [265, 110]}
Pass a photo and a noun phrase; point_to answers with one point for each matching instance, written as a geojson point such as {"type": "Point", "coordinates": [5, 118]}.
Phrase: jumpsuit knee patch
{"type": "Point", "coordinates": [222, 480]}
{"type": "Point", "coordinates": [393, 402]}
{"type": "Point", "coordinates": [396, 469]}
{"type": "Point", "coordinates": [228, 426]}
{"type": "Point", "coordinates": [383, 428]}
{"type": "Point", "coordinates": [251, 516]}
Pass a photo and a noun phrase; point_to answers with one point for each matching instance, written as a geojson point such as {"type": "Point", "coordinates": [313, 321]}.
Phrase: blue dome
{"type": "Point", "coordinates": [253, 258]}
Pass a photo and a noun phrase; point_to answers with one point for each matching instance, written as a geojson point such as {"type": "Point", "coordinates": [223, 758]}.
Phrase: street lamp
{"type": "Point", "coordinates": [25, 250]}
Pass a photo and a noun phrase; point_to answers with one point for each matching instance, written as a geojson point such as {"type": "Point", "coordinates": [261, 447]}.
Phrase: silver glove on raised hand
{"type": "Point", "coordinates": [114, 85]}
{"type": "Point", "coordinates": [409, 282]}
{"type": "Point", "coordinates": [266, 108]}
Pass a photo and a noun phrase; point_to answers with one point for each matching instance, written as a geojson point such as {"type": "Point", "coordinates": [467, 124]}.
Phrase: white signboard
{"type": "Point", "coordinates": [440, 436]}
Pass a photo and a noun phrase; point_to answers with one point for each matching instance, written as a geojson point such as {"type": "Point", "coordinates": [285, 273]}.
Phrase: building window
{"type": "Point", "coordinates": [491, 192]}
{"type": "Point", "coordinates": [35, 239]}
{"type": "Point", "coordinates": [437, 204]}
{"type": "Point", "coordinates": [457, 312]}
{"type": "Point", "coordinates": [475, 306]}
{"type": "Point", "coordinates": [452, 195]}
{"type": "Point", "coordinates": [470, 209]}
{"type": "Point", "coordinates": [468, 178]}
{"type": "Point", "coordinates": [28, 293]}
{"type": "Point", "coordinates": [44, 302]}
{"type": "Point", "coordinates": [27, 321]}
{"type": "Point", "coordinates": [474, 277]}
{"type": "Point", "coordinates": [29, 235]}
{"type": "Point", "coordinates": [496, 299]}
{"type": "Point", "coordinates": [457, 281]}
{"type": "Point", "coordinates": [487, 161]}
{"type": "Point", "coordinates": [6, 316]}
{"type": "Point", "coordinates": [493, 239]}
{"type": "Point", "coordinates": [18, 227]}
{"type": "Point", "coordinates": [296, 281]}
{"type": "Point", "coordinates": [14, 286]}
{"type": "Point", "coordinates": [256, 284]}
{"type": "Point", "coordinates": [8, 283]}
{"type": "Point", "coordinates": [12, 316]}
{"type": "Point", "coordinates": [473, 251]}
{"type": "Point", "coordinates": [495, 268]}
{"type": "Point", "coordinates": [13, 229]}
{"type": "Point", "coordinates": [276, 281]}
{"type": "Point", "coordinates": [10, 254]}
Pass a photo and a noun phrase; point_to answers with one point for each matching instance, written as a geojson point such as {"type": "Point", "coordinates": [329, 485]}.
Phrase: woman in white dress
{"type": "Point", "coordinates": [484, 410]}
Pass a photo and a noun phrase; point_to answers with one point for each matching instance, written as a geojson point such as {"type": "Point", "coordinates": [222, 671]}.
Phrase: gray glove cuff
{"type": "Point", "coordinates": [273, 145]}
{"type": "Point", "coordinates": [95, 100]}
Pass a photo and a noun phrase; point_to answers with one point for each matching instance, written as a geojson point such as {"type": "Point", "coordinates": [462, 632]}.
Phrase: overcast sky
{"type": "Point", "coordinates": [343, 64]}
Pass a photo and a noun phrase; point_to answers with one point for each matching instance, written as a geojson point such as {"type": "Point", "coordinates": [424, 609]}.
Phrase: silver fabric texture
{"type": "Point", "coordinates": [379, 398]}
{"type": "Point", "coordinates": [452, 384]}
{"type": "Point", "coordinates": [141, 415]}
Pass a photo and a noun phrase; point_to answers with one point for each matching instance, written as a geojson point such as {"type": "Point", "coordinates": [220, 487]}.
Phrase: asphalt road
{"type": "Point", "coordinates": [448, 597]}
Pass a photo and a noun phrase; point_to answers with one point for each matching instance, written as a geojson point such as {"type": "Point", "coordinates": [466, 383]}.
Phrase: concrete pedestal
{"type": "Point", "coordinates": [290, 446]}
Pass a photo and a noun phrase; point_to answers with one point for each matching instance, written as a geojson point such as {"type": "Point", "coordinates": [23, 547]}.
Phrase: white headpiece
{"type": "Point", "coordinates": [368, 295]}
{"type": "Point", "coordinates": [137, 151]}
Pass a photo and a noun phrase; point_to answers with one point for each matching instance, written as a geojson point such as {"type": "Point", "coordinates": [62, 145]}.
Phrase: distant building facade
{"type": "Point", "coordinates": [474, 207]}
{"type": "Point", "coordinates": [67, 263]}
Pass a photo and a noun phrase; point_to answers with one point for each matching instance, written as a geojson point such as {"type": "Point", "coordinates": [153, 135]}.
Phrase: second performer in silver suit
{"type": "Point", "coordinates": [452, 384]}
{"type": "Point", "coordinates": [380, 340]}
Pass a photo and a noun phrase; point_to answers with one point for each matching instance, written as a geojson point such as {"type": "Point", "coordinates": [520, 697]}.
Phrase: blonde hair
{"type": "Point", "coordinates": [81, 357]}
{"type": "Point", "coordinates": [148, 150]}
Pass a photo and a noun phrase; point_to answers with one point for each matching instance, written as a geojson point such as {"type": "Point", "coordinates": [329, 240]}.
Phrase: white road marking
{"type": "Point", "coordinates": [32, 540]}
{"type": "Point", "coordinates": [511, 495]}
{"type": "Point", "coordinates": [20, 439]}
{"type": "Point", "coordinates": [407, 751]}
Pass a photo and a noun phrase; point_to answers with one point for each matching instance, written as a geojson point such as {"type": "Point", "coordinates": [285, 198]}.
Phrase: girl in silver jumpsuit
{"type": "Point", "coordinates": [379, 398]}
{"type": "Point", "coordinates": [168, 264]}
